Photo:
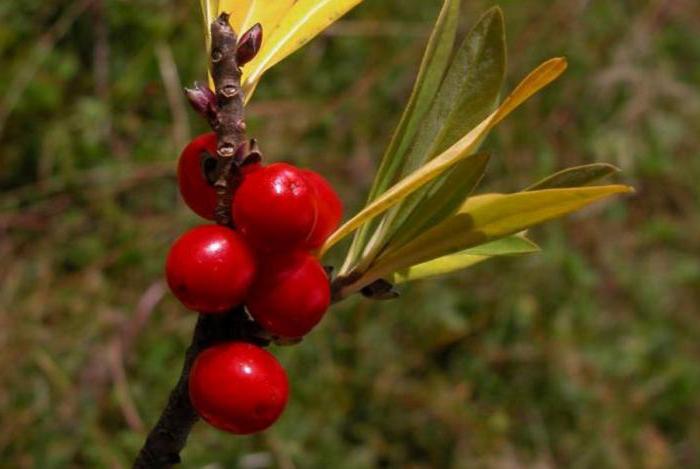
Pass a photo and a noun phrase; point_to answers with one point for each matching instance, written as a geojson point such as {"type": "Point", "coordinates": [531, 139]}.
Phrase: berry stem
{"type": "Point", "coordinates": [169, 436]}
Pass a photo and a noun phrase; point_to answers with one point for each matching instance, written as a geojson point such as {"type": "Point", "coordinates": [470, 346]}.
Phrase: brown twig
{"type": "Point", "coordinates": [225, 114]}
{"type": "Point", "coordinates": [169, 435]}
{"type": "Point", "coordinates": [230, 124]}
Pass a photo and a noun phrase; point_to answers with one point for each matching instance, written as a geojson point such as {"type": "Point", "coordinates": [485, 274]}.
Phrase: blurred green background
{"type": "Point", "coordinates": [586, 355]}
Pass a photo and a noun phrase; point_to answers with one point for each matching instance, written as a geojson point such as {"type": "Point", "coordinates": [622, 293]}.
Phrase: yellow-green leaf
{"type": "Point", "coordinates": [467, 95]}
{"type": "Point", "coordinates": [301, 23]}
{"type": "Point", "coordinates": [430, 74]}
{"type": "Point", "coordinates": [210, 9]}
{"type": "Point", "coordinates": [509, 246]}
{"type": "Point", "coordinates": [576, 176]}
{"type": "Point", "coordinates": [287, 26]}
{"type": "Point", "coordinates": [491, 216]}
{"type": "Point", "coordinates": [535, 81]}
{"type": "Point", "coordinates": [442, 198]}
{"type": "Point", "coordinates": [245, 13]}
{"type": "Point", "coordinates": [238, 11]}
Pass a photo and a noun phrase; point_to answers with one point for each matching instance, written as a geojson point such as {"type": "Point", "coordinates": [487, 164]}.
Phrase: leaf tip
{"type": "Point", "coordinates": [613, 169]}
{"type": "Point", "coordinates": [562, 62]}
{"type": "Point", "coordinates": [532, 247]}
{"type": "Point", "coordinates": [497, 11]}
{"type": "Point", "coordinates": [615, 189]}
{"type": "Point", "coordinates": [493, 15]}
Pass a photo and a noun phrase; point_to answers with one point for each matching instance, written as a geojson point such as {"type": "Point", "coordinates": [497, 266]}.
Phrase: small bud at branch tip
{"type": "Point", "coordinates": [249, 45]}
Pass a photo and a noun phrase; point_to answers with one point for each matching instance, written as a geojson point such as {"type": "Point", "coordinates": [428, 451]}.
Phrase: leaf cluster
{"type": "Point", "coordinates": [420, 219]}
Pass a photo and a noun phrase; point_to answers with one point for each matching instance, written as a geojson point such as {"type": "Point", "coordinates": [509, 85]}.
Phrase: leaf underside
{"type": "Point", "coordinates": [509, 246]}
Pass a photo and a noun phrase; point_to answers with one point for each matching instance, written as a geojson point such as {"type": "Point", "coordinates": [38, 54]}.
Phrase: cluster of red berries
{"type": "Point", "coordinates": [280, 213]}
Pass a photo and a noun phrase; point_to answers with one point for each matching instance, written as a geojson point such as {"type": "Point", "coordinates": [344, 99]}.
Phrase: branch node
{"type": "Point", "coordinates": [380, 290]}
{"type": "Point", "coordinates": [229, 91]}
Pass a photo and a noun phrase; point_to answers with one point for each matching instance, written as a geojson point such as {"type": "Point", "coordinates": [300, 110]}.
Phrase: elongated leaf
{"type": "Point", "coordinates": [245, 13]}
{"type": "Point", "coordinates": [287, 26]}
{"type": "Point", "coordinates": [509, 246]}
{"type": "Point", "coordinates": [210, 8]}
{"type": "Point", "coordinates": [467, 95]}
{"type": "Point", "coordinates": [469, 92]}
{"type": "Point", "coordinates": [491, 216]}
{"type": "Point", "coordinates": [430, 74]}
{"type": "Point", "coordinates": [443, 198]}
{"type": "Point", "coordinates": [535, 81]}
{"type": "Point", "coordinates": [302, 22]}
{"type": "Point", "coordinates": [576, 176]}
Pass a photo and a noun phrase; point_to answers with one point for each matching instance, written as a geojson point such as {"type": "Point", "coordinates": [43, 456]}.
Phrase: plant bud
{"type": "Point", "coordinates": [202, 99]}
{"type": "Point", "coordinates": [249, 45]}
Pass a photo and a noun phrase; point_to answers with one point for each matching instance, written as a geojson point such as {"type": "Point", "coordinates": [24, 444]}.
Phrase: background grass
{"type": "Point", "coordinates": [586, 355]}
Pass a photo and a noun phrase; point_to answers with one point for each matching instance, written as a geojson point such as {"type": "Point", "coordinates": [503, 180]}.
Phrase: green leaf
{"type": "Point", "coordinates": [442, 198]}
{"type": "Point", "coordinates": [468, 94]}
{"type": "Point", "coordinates": [535, 81]}
{"type": "Point", "coordinates": [488, 217]}
{"type": "Point", "coordinates": [509, 246]}
{"type": "Point", "coordinates": [430, 74]}
{"type": "Point", "coordinates": [576, 176]}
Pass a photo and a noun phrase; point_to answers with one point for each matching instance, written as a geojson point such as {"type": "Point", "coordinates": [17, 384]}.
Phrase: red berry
{"type": "Point", "coordinates": [196, 171]}
{"type": "Point", "coordinates": [238, 387]}
{"type": "Point", "coordinates": [210, 268]}
{"type": "Point", "coordinates": [275, 208]}
{"type": "Point", "coordinates": [250, 168]}
{"type": "Point", "coordinates": [196, 160]}
{"type": "Point", "coordinates": [290, 295]}
{"type": "Point", "coordinates": [330, 209]}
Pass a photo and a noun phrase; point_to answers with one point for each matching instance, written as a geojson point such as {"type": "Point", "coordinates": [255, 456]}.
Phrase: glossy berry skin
{"type": "Point", "coordinates": [290, 295]}
{"type": "Point", "coordinates": [329, 206]}
{"type": "Point", "coordinates": [210, 269]}
{"type": "Point", "coordinates": [275, 208]}
{"type": "Point", "coordinates": [197, 192]}
{"type": "Point", "coordinates": [238, 387]}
